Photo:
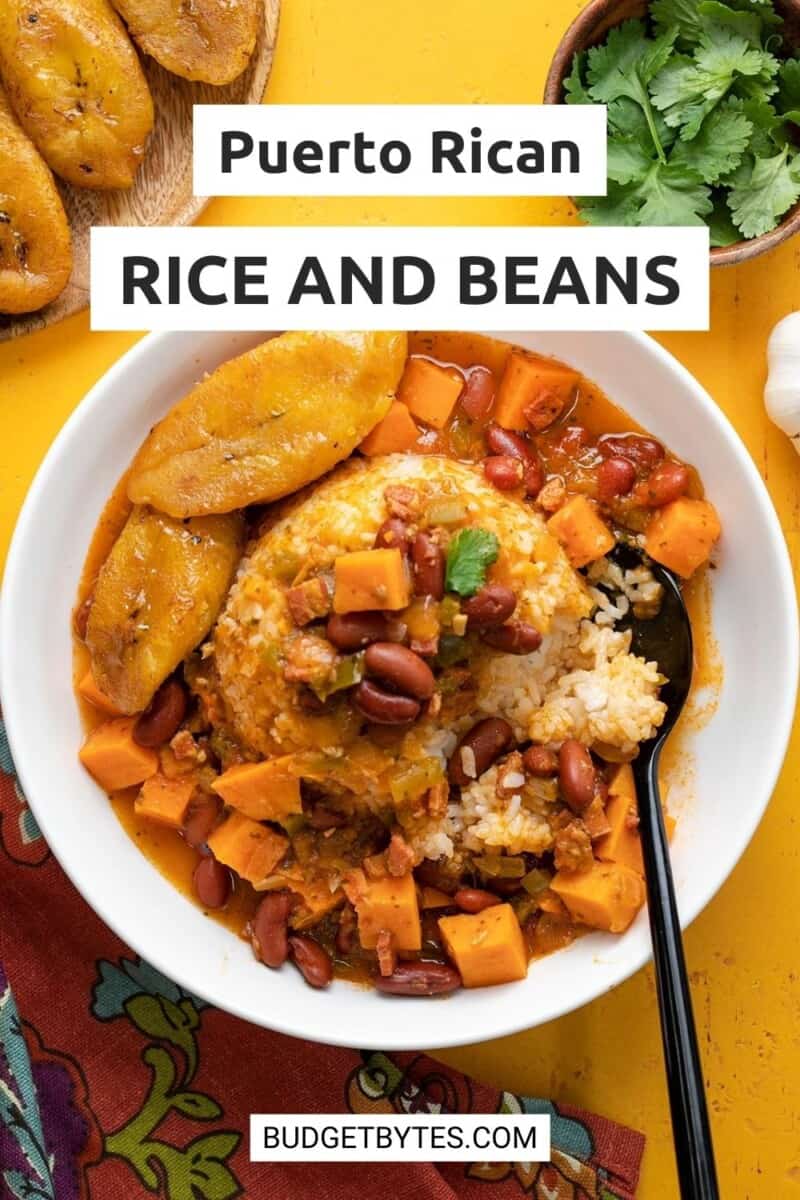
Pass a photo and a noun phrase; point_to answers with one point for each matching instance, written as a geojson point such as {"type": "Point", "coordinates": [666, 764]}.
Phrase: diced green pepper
{"type": "Point", "coordinates": [447, 512]}
{"type": "Point", "coordinates": [285, 566]}
{"type": "Point", "coordinates": [524, 906]}
{"type": "Point", "coordinates": [293, 823]}
{"type": "Point", "coordinates": [349, 672]}
{"type": "Point", "coordinates": [501, 866]}
{"type": "Point", "coordinates": [536, 881]}
{"type": "Point", "coordinates": [449, 608]}
{"type": "Point", "coordinates": [416, 780]}
{"type": "Point", "coordinates": [271, 654]}
{"type": "Point", "coordinates": [451, 650]}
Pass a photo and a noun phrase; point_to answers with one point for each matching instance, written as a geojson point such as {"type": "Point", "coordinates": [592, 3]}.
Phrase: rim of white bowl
{"type": "Point", "coordinates": [414, 1037]}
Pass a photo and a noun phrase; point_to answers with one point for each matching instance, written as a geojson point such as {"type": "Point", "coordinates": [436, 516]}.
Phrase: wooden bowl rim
{"type": "Point", "coordinates": [578, 37]}
{"type": "Point", "coordinates": [174, 205]}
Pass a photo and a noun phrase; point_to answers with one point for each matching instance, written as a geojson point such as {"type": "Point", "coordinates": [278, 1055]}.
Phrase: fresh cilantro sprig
{"type": "Point", "coordinates": [469, 556]}
{"type": "Point", "coordinates": [702, 117]}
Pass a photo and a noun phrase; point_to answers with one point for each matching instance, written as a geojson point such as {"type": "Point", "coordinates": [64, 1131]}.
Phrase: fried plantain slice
{"type": "Point", "coordinates": [157, 595]}
{"type": "Point", "coordinates": [268, 422]}
{"type": "Point", "coordinates": [35, 248]}
{"type": "Point", "coordinates": [77, 87]}
{"type": "Point", "coordinates": [204, 40]}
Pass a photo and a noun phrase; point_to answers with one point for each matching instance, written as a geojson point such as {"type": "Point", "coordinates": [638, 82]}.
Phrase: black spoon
{"type": "Point", "coordinates": [667, 640]}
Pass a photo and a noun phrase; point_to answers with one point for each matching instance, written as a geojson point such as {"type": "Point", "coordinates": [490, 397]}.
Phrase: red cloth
{"type": "Point", "coordinates": [142, 1090]}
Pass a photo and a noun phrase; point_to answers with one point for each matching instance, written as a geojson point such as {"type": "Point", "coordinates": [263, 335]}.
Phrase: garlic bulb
{"type": "Point", "coordinates": [782, 391]}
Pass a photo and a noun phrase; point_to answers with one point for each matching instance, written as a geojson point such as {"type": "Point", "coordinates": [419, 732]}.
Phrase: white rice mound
{"type": "Point", "coordinates": [583, 681]}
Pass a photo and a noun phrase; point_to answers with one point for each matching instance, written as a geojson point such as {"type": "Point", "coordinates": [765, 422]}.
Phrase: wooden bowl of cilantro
{"type": "Point", "coordinates": [703, 115]}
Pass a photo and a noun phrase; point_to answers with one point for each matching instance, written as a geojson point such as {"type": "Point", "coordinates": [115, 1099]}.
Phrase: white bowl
{"type": "Point", "coordinates": [738, 754]}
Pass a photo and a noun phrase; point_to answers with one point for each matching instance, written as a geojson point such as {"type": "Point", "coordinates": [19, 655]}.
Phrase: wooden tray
{"type": "Point", "coordinates": [162, 193]}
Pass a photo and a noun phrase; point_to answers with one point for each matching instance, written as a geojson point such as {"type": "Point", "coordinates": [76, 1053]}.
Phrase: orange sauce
{"type": "Point", "coordinates": [167, 850]}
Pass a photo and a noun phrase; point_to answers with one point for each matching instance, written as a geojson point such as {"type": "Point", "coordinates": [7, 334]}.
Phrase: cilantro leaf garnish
{"type": "Point", "coordinates": [573, 84]}
{"type": "Point", "coordinates": [673, 195]}
{"type": "Point", "coordinates": [624, 66]}
{"type": "Point", "coordinates": [469, 556]}
{"type": "Point", "coordinates": [703, 118]}
{"type": "Point", "coordinates": [789, 85]}
{"type": "Point", "coordinates": [720, 224]}
{"type": "Point", "coordinates": [719, 145]}
{"type": "Point", "coordinates": [684, 14]}
{"type": "Point", "coordinates": [627, 160]}
{"type": "Point", "coordinates": [758, 201]}
{"type": "Point", "coordinates": [620, 206]}
{"type": "Point", "coordinates": [687, 89]}
{"type": "Point", "coordinates": [669, 194]}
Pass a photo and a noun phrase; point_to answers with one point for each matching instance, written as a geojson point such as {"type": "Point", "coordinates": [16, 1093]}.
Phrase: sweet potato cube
{"type": "Point", "coordinates": [487, 947]}
{"type": "Point", "coordinates": [114, 759]}
{"type": "Point", "coordinates": [368, 579]}
{"type": "Point", "coordinates": [681, 535]}
{"type": "Point", "coordinates": [607, 896]}
{"type": "Point", "coordinates": [164, 800]}
{"type": "Point", "coordinates": [249, 849]}
{"type": "Point", "coordinates": [391, 904]}
{"type": "Point", "coordinates": [622, 844]}
{"type": "Point", "coordinates": [429, 391]}
{"type": "Point", "coordinates": [582, 533]}
{"type": "Point", "coordinates": [524, 379]}
{"type": "Point", "coordinates": [313, 897]}
{"type": "Point", "coordinates": [264, 791]}
{"type": "Point", "coordinates": [88, 689]}
{"type": "Point", "coordinates": [394, 434]}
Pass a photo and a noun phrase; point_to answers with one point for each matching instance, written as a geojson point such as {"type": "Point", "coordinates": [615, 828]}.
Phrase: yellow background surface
{"type": "Point", "coordinates": [743, 951]}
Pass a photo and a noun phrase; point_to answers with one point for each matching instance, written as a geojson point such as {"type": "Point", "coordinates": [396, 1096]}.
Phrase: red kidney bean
{"type": "Point", "coordinates": [503, 441]}
{"type": "Point", "coordinates": [491, 606]}
{"type": "Point", "coordinates": [384, 708]}
{"type": "Point", "coordinates": [503, 472]}
{"type": "Point", "coordinates": [487, 740]}
{"type": "Point", "coordinates": [393, 535]}
{"type": "Point", "coordinates": [534, 479]}
{"type": "Point", "coordinates": [80, 618]}
{"type": "Point", "coordinates": [573, 441]}
{"type": "Point", "coordinates": [477, 394]}
{"type": "Point", "coordinates": [517, 637]}
{"type": "Point", "coordinates": [429, 566]}
{"type": "Point", "coordinates": [419, 979]}
{"type": "Point", "coordinates": [268, 930]}
{"type": "Point", "coordinates": [201, 817]}
{"type": "Point", "coordinates": [346, 930]}
{"type": "Point", "coordinates": [312, 961]}
{"type": "Point", "coordinates": [667, 482]}
{"type": "Point", "coordinates": [400, 668]}
{"type": "Point", "coordinates": [543, 410]}
{"type": "Point", "coordinates": [212, 883]}
{"type": "Point", "coordinates": [353, 631]}
{"type": "Point", "coordinates": [162, 717]}
{"type": "Point", "coordinates": [645, 452]}
{"type": "Point", "coordinates": [541, 762]}
{"type": "Point", "coordinates": [474, 900]}
{"type": "Point", "coordinates": [615, 477]}
{"type": "Point", "coordinates": [576, 775]}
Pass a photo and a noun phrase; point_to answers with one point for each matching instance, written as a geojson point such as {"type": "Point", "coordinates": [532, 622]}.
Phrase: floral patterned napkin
{"type": "Point", "coordinates": [117, 1085]}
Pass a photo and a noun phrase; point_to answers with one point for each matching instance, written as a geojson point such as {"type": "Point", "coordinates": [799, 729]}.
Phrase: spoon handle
{"type": "Point", "coordinates": [690, 1127]}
